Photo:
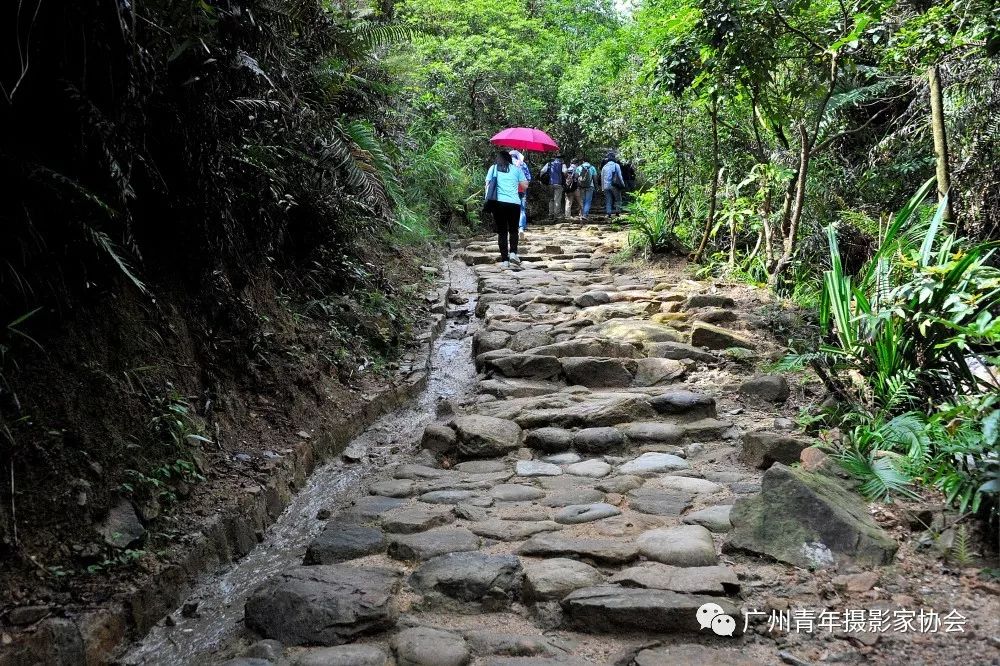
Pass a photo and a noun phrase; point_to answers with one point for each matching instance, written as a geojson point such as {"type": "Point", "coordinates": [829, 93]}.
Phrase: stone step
{"type": "Point", "coordinates": [613, 608]}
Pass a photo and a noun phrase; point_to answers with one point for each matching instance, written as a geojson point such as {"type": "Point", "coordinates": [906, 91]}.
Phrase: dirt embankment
{"type": "Point", "coordinates": [147, 439]}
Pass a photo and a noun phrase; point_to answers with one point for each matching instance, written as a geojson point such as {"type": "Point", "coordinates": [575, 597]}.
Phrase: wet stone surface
{"type": "Point", "coordinates": [577, 483]}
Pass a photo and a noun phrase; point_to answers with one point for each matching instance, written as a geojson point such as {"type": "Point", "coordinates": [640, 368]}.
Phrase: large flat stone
{"type": "Point", "coordinates": [598, 347]}
{"type": "Point", "coordinates": [534, 366]}
{"type": "Point", "coordinates": [763, 448]}
{"type": "Point", "coordinates": [529, 339]}
{"type": "Point", "coordinates": [597, 412]}
{"type": "Point", "coordinates": [658, 371]}
{"type": "Point", "coordinates": [716, 337]}
{"type": "Point", "coordinates": [487, 341]}
{"type": "Point", "coordinates": [659, 502]}
{"type": "Point", "coordinates": [425, 545]}
{"type": "Point", "coordinates": [416, 518]}
{"type": "Point", "coordinates": [426, 646]}
{"type": "Point", "coordinates": [447, 496]}
{"type": "Point", "coordinates": [598, 440]}
{"type": "Point", "coordinates": [679, 351]}
{"type": "Point", "coordinates": [715, 580]}
{"type": "Point", "coordinates": [323, 605]}
{"type": "Point", "coordinates": [512, 530]}
{"type": "Point", "coordinates": [631, 330]}
{"type": "Point", "coordinates": [585, 513]}
{"type": "Point", "coordinates": [603, 550]}
{"type": "Point", "coordinates": [708, 300]}
{"type": "Point", "coordinates": [481, 466]}
{"type": "Point", "coordinates": [653, 432]}
{"type": "Point", "coordinates": [395, 487]}
{"type": "Point", "coordinates": [421, 472]}
{"type": "Point", "coordinates": [620, 310]}
{"type": "Point", "coordinates": [503, 387]}
{"type": "Point", "coordinates": [809, 520]}
{"type": "Point", "coordinates": [486, 436]}
{"type": "Point", "coordinates": [344, 541]}
{"type": "Point", "coordinates": [599, 372]}
{"type": "Point", "coordinates": [593, 469]}
{"type": "Point", "coordinates": [554, 578]}
{"type": "Point", "coordinates": [469, 577]}
{"type": "Point", "coordinates": [611, 608]}
{"type": "Point", "coordinates": [549, 439]}
{"type": "Point", "coordinates": [704, 430]}
{"type": "Point", "coordinates": [770, 388]}
{"type": "Point", "coordinates": [685, 546]}
{"type": "Point", "coordinates": [687, 403]}
{"type": "Point", "coordinates": [369, 509]}
{"type": "Point", "coordinates": [653, 463]}
{"type": "Point", "coordinates": [713, 518]}
{"type": "Point", "coordinates": [685, 484]}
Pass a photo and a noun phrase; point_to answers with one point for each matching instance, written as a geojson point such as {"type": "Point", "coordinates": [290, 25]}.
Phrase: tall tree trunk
{"type": "Point", "coordinates": [710, 220]}
{"type": "Point", "coordinates": [795, 214]}
{"type": "Point", "coordinates": [756, 247]}
{"type": "Point", "coordinates": [732, 241]}
{"type": "Point", "coordinates": [940, 139]}
{"type": "Point", "coordinates": [785, 220]}
{"type": "Point", "coordinates": [765, 225]}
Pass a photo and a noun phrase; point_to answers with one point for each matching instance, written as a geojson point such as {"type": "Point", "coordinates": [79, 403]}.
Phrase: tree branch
{"type": "Point", "coordinates": [795, 30]}
{"type": "Point", "coordinates": [839, 135]}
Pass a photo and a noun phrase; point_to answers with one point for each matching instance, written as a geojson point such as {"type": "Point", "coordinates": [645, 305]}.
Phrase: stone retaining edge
{"type": "Point", "coordinates": [98, 636]}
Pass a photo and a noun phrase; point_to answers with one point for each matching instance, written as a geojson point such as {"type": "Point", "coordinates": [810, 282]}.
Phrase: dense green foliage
{"type": "Point", "coordinates": [199, 200]}
{"type": "Point", "coordinates": [773, 142]}
{"type": "Point", "coordinates": [910, 351]}
{"type": "Point", "coordinates": [223, 155]}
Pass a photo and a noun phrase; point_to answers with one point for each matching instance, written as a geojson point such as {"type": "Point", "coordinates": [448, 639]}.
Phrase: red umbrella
{"type": "Point", "coordinates": [525, 138]}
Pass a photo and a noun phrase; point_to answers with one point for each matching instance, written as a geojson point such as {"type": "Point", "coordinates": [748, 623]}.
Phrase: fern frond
{"type": "Point", "coordinates": [104, 242]}
{"type": "Point", "coordinates": [880, 476]}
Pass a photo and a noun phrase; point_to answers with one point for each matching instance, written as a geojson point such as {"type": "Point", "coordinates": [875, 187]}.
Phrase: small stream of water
{"type": "Point", "coordinates": [221, 595]}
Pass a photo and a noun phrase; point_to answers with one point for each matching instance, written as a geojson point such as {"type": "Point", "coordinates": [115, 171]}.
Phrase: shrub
{"type": "Point", "coordinates": [909, 343]}
{"type": "Point", "coordinates": [651, 226]}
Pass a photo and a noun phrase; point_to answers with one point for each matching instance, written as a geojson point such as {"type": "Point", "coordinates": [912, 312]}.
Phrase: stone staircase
{"type": "Point", "coordinates": [571, 511]}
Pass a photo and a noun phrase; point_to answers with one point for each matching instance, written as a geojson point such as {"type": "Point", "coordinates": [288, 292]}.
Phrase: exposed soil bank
{"type": "Point", "coordinates": [272, 441]}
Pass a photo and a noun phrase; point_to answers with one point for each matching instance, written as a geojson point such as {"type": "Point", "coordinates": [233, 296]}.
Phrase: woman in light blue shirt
{"type": "Point", "coordinates": [510, 181]}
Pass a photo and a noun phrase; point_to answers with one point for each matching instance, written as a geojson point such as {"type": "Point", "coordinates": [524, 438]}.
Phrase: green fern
{"type": "Point", "coordinates": [880, 475]}
{"type": "Point", "coordinates": [961, 549]}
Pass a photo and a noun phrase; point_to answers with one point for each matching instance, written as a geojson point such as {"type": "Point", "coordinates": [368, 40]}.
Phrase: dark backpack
{"type": "Point", "coordinates": [586, 178]}
{"type": "Point", "coordinates": [571, 180]}
{"type": "Point", "coordinates": [616, 179]}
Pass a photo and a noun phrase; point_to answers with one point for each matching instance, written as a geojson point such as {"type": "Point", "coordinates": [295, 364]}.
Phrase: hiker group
{"type": "Point", "coordinates": [574, 183]}
{"type": "Point", "coordinates": [573, 186]}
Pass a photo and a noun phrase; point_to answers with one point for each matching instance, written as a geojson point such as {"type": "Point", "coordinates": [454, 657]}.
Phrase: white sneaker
{"type": "Point", "coordinates": [504, 264]}
{"type": "Point", "coordinates": [514, 258]}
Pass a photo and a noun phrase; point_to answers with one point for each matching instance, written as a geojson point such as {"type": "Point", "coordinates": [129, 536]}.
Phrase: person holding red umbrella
{"type": "Point", "coordinates": [519, 138]}
{"type": "Point", "coordinates": [504, 183]}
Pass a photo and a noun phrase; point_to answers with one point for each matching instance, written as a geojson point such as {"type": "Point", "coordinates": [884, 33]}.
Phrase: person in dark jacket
{"type": "Point", "coordinates": [555, 172]}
